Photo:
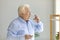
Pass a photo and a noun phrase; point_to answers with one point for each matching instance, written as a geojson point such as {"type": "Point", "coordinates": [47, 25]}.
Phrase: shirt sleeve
{"type": "Point", "coordinates": [38, 27]}
{"type": "Point", "coordinates": [15, 30]}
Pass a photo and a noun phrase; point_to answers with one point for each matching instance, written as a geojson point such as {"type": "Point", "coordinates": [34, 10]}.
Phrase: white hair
{"type": "Point", "coordinates": [22, 7]}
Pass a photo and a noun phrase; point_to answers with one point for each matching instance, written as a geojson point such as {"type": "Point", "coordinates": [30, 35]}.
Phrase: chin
{"type": "Point", "coordinates": [27, 19]}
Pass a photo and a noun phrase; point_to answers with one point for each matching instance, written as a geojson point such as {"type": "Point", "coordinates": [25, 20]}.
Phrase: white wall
{"type": "Point", "coordinates": [57, 6]}
{"type": "Point", "coordinates": [8, 11]}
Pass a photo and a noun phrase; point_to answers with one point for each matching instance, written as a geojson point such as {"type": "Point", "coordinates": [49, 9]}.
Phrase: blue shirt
{"type": "Point", "coordinates": [18, 28]}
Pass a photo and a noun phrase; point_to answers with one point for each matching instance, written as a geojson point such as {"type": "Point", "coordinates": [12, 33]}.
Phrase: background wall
{"type": "Point", "coordinates": [8, 11]}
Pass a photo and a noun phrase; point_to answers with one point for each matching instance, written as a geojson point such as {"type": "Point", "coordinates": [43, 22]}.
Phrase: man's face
{"type": "Point", "coordinates": [25, 13]}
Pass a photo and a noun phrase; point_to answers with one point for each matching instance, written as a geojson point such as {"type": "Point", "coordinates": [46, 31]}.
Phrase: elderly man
{"type": "Point", "coordinates": [23, 28]}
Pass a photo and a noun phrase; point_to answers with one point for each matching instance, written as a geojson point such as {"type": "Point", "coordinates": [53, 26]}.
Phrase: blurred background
{"type": "Point", "coordinates": [42, 8]}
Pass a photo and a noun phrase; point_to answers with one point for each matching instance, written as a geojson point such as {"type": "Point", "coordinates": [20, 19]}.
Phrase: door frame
{"type": "Point", "coordinates": [51, 17]}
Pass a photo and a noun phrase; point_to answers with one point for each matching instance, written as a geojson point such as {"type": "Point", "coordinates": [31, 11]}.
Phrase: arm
{"type": "Point", "coordinates": [38, 24]}
{"type": "Point", "coordinates": [38, 27]}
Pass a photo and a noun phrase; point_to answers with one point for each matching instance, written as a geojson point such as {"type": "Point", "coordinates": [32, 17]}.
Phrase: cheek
{"type": "Point", "coordinates": [26, 15]}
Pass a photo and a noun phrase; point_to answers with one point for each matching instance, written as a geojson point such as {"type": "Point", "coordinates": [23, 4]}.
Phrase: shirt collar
{"type": "Point", "coordinates": [21, 19]}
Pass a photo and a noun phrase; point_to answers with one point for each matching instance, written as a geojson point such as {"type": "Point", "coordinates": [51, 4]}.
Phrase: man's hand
{"type": "Point", "coordinates": [36, 18]}
{"type": "Point", "coordinates": [28, 36]}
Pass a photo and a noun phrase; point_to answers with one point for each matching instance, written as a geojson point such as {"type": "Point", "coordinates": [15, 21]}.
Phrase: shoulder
{"type": "Point", "coordinates": [14, 22]}
{"type": "Point", "coordinates": [33, 22]}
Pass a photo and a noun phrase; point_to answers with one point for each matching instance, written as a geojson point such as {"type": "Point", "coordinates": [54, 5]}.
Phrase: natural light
{"type": "Point", "coordinates": [57, 6]}
{"type": "Point", "coordinates": [57, 12]}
